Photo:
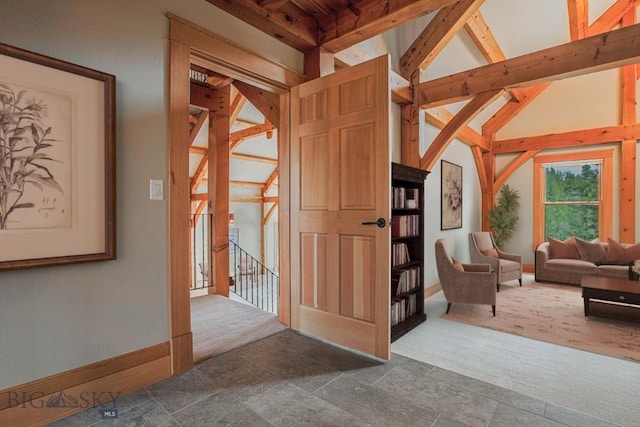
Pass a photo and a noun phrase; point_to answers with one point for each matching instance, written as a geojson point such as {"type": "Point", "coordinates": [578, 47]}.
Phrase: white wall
{"type": "Point", "coordinates": [58, 318]}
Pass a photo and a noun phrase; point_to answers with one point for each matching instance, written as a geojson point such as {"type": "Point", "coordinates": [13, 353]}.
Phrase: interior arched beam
{"type": "Point", "coordinates": [464, 116]}
{"type": "Point", "coordinates": [511, 168]}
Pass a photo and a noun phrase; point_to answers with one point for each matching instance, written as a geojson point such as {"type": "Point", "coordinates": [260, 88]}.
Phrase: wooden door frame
{"type": "Point", "coordinates": [189, 43]}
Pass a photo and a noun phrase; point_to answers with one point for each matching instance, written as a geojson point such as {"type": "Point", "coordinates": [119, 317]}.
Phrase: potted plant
{"type": "Point", "coordinates": [503, 218]}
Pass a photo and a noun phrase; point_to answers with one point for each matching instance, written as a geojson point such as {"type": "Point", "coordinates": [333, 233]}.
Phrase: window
{"type": "Point", "coordinates": [572, 196]}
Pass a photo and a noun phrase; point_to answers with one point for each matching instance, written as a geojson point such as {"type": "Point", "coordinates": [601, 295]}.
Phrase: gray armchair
{"type": "Point", "coordinates": [507, 266]}
{"type": "Point", "coordinates": [474, 284]}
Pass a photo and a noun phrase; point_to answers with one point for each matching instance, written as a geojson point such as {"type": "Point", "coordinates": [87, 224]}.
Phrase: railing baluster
{"type": "Point", "coordinates": [251, 278]}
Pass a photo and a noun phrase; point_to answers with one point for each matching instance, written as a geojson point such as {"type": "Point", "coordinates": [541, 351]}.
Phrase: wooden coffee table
{"type": "Point", "coordinates": [609, 289]}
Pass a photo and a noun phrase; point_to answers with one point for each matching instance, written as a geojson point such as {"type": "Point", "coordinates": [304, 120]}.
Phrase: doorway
{"type": "Point", "coordinates": [189, 45]}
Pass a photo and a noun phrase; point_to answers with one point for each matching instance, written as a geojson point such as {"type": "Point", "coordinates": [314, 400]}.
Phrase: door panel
{"type": "Point", "coordinates": [340, 178]}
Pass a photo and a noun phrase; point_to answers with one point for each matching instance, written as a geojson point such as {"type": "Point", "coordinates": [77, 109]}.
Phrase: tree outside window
{"type": "Point", "coordinates": [573, 196]}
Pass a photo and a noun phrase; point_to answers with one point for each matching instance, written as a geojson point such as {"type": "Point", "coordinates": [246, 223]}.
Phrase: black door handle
{"type": "Point", "coordinates": [381, 222]}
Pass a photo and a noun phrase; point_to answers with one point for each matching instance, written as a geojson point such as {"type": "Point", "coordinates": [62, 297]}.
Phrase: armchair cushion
{"type": "Point", "coordinates": [492, 252]}
{"type": "Point", "coordinates": [457, 264]}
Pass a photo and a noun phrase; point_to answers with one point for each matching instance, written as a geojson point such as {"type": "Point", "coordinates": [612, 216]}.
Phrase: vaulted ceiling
{"type": "Point", "coordinates": [525, 46]}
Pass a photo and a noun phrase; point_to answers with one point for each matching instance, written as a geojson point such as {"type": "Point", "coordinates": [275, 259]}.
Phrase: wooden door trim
{"type": "Point", "coordinates": [192, 44]}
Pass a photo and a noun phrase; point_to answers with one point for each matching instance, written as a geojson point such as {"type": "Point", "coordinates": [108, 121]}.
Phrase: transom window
{"type": "Point", "coordinates": [572, 196]}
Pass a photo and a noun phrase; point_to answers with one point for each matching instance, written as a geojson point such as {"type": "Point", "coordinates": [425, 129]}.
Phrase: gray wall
{"type": "Point", "coordinates": [58, 318]}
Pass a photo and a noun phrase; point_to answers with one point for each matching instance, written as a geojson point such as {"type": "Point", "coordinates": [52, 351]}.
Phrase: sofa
{"type": "Point", "coordinates": [567, 261]}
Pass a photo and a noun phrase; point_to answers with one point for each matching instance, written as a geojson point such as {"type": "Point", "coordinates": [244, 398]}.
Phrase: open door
{"type": "Point", "coordinates": [340, 179]}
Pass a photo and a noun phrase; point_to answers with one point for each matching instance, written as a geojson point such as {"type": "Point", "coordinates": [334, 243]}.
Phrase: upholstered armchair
{"type": "Point", "coordinates": [465, 283]}
{"type": "Point", "coordinates": [483, 249]}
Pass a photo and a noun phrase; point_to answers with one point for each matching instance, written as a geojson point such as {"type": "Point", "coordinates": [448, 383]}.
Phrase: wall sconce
{"type": "Point", "coordinates": [232, 217]}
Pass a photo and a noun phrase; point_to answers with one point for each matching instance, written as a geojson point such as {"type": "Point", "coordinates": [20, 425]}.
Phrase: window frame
{"type": "Point", "coordinates": [606, 190]}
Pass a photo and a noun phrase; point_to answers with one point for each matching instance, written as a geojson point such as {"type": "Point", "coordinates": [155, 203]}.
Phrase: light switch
{"type": "Point", "coordinates": [156, 190]}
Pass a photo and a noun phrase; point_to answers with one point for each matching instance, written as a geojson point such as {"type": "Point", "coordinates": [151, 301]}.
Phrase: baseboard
{"type": "Point", "coordinates": [528, 268]}
{"type": "Point", "coordinates": [432, 290]}
{"type": "Point", "coordinates": [58, 396]}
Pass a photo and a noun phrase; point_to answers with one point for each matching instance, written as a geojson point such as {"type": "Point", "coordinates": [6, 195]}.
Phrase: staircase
{"type": "Point", "coordinates": [251, 281]}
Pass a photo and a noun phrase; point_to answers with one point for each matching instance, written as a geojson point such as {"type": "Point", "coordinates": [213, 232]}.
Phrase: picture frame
{"type": "Point", "coordinates": [57, 162]}
{"type": "Point", "coordinates": [451, 196]}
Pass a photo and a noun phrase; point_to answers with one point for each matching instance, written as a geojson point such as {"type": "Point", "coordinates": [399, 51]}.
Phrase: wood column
{"type": "Point", "coordinates": [410, 128]}
{"type": "Point", "coordinates": [179, 203]}
{"type": "Point", "coordinates": [628, 151]}
{"type": "Point", "coordinates": [221, 131]}
{"type": "Point", "coordinates": [488, 195]}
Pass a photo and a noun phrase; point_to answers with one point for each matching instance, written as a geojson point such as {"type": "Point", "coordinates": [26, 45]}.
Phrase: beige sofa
{"type": "Point", "coordinates": [561, 270]}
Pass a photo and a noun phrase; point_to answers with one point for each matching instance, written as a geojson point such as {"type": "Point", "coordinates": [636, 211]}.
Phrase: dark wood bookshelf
{"type": "Point", "coordinates": [408, 209]}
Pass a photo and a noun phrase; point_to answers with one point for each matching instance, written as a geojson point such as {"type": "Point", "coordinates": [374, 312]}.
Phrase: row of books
{"type": "Point", "coordinates": [405, 225]}
{"type": "Point", "coordinates": [406, 198]}
{"type": "Point", "coordinates": [399, 254]}
{"type": "Point", "coordinates": [403, 308]}
{"type": "Point", "coordinates": [404, 280]}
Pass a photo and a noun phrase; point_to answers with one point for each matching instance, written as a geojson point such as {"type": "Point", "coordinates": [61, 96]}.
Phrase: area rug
{"type": "Point", "coordinates": [555, 314]}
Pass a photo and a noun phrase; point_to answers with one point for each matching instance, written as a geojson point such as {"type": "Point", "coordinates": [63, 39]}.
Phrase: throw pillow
{"type": "Point", "coordinates": [616, 252]}
{"type": "Point", "coordinates": [492, 252]}
{"type": "Point", "coordinates": [457, 264]}
{"type": "Point", "coordinates": [591, 251]}
{"type": "Point", "coordinates": [563, 249]}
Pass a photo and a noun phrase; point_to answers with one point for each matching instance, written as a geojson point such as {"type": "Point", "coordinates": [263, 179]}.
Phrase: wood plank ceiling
{"type": "Point", "coordinates": [324, 29]}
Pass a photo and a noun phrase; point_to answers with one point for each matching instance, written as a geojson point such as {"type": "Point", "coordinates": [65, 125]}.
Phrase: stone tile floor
{"type": "Point", "coordinates": [288, 379]}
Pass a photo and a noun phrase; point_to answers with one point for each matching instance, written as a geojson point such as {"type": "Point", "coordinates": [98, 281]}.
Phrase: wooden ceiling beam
{"type": "Point", "coordinates": [198, 150]}
{"type": "Point", "coordinates": [360, 20]}
{"type": "Point", "coordinates": [236, 106]}
{"type": "Point", "coordinates": [200, 172]}
{"type": "Point", "coordinates": [195, 130]}
{"type": "Point", "coordinates": [269, 182]}
{"type": "Point", "coordinates": [464, 116]}
{"type": "Point", "coordinates": [511, 109]}
{"type": "Point", "coordinates": [610, 50]}
{"type": "Point", "coordinates": [252, 158]}
{"type": "Point", "coordinates": [289, 23]}
{"type": "Point", "coordinates": [251, 184]}
{"type": "Point", "coordinates": [266, 102]}
{"type": "Point", "coordinates": [256, 199]}
{"type": "Point", "coordinates": [440, 30]}
{"type": "Point", "coordinates": [481, 34]}
{"type": "Point", "coordinates": [440, 117]}
{"type": "Point", "coordinates": [578, 18]}
{"type": "Point", "coordinates": [572, 139]}
{"type": "Point", "coordinates": [251, 131]}
{"type": "Point", "coordinates": [611, 17]}
{"type": "Point", "coordinates": [272, 5]}
{"type": "Point", "coordinates": [511, 168]}
{"type": "Point", "coordinates": [272, 209]}
{"type": "Point", "coordinates": [604, 23]}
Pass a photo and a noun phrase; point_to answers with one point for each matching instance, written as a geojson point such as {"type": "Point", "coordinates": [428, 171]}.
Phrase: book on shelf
{"type": "Point", "coordinates": [405, 225]}
{"type": "Point", "coordinates": [406, 198]}
{"type": "Point", "coordinates": [405, 280]}
{"type": "Point", "coordinates": [403, 308]}
{"type": "Point", "coordinates": [399, 254]}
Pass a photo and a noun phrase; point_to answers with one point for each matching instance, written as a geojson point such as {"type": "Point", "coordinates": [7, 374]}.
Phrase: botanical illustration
{"type": "Point", "coordinates": [451, 196]}
{"type": "Point", "coordinates": [35, 159]}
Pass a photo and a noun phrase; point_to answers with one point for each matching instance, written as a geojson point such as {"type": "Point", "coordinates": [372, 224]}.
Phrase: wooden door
{"type": "Point", "coordinates": [340, 178]}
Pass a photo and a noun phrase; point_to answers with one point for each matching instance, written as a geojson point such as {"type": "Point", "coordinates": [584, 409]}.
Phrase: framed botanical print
{"type": "Point", "coordinates": [451, 196]}
{"type": "Point", "coordinates": [57, 162]}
